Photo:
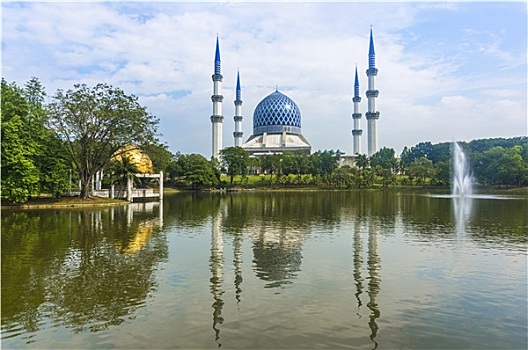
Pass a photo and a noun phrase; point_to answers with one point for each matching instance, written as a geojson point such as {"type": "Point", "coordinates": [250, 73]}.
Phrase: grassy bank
{"type": "Point", "coordinates": [64, 202]}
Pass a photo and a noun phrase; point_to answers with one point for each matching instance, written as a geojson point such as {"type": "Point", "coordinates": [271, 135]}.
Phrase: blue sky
{"type": "Point", "coordinates": [452, 71]}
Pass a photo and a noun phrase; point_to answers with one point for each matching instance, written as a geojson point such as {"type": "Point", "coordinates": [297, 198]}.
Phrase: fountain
{"type": "Point", "coordinates": [462, 180]}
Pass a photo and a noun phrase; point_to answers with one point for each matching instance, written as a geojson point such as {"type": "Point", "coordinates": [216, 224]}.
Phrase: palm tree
{"type": "Point", "coordinates": [362, 161]}
{"type": "Point", "coordinates": [121, 169]}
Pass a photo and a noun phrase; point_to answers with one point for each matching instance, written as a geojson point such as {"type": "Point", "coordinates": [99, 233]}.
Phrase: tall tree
{"type": "Point", "coordinates": [422, 168]}
{"type": "Point", "coordinates": [362, 161]}
{"type": "Point", "coordinates": [236, 161]}
{"type": "Point", "coordinates": [512, 169]}
{"type": "Point", "coordinates": [160, 156]}
{"type": "Point", "coordinates": [270, 164]}
{"type": "Point", "coordinates": [385, 158]}
{"type": "Point", "coordinates": [95, 123]}
{"type": "Point", "coordinates": [198, 171]}
{"type": "Point", "coordinates": [52, 158]}
{"type": "Point", "coordinates": [20, 175]}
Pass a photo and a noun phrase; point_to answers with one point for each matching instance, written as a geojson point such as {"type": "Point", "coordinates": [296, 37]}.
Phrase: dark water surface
{"type": "Point", "coordinates": [269, 270]}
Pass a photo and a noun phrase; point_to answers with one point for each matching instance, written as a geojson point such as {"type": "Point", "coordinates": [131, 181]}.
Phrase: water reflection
{"type": "Point", "coordinates": [80, 269]}
{"type": "Point", "coordinates": [462, 208]}
{"type": "Point", "coordinates": [358, 262]}
{"type": "Point", "coordinates": [280, 270]}
{"type": "Point", "coordinates": [216, 265]}
{"type": "Point", "coordinates": [371, 214]}
{"type": "Point", "coordinates": [276, 256]}
{"type": "Point", "coordinates": [374, 267]}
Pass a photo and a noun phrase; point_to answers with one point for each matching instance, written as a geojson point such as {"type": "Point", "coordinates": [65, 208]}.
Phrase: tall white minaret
{"type": "Point", "coordinates": [217, 118]}
{"type": "Point", "coordinates": [356, 132]}
{"type": "Point", "coordinates": [238, 114]}
{"type": "Point", "coordinates": [372, 116]}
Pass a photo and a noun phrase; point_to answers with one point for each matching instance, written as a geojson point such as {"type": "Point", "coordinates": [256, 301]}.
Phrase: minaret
{"type": "Point", "coordinates": [217, 118]}
{"type": "Point", "coordinates": [238, 114]}
{"type": "Point", "coordinates": [372, 93]}
{"type": "Point", "coordinates": [356, 132]}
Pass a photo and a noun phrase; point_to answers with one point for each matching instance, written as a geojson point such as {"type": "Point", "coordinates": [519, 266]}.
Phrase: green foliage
{"type": "Point", "coordinates": [162, 159]}
{"type": "Point", "coordinates": [496, 161]}
{"type": "Point", "coordinates": [19, 174]}
{"type": "Point", "coordinates": [442, 171]}
{"type": "Point", "coordinates": [197, 171]}
{"type": "Point", "coordinates": [422, 168]}
{"type": "Point", "coordinates": [512, 169]}
{"type": "Point", "coordinates": [482, 145]}
{"type": "Point", "coordinates": [235, 160]}
{"type": "Point", "coordinates": [436, 153]}
{"type": "Point", "coordinates": [32, 157]}
{"type": "Point", "coordinates": [95, 122]}
{"type": "Point", "coordinates": [385, 158]}
{"type": "Point", "coordinates": [362, 161]}
{"type": "Point", "coordinates": [54, 166]}
{"type": "Point", "coordinates": [121, 169]}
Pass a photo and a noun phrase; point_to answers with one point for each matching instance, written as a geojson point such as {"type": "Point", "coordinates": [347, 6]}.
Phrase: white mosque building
{"type": "Point", "coordinates": [277, 118]}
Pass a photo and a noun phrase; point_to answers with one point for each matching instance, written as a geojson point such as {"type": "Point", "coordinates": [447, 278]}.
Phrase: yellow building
{"type": "Point", "coordinates": [136, 157]}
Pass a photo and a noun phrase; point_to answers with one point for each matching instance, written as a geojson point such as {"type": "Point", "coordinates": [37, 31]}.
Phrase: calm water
{"type": "Point", "coordinates": [269, 270]}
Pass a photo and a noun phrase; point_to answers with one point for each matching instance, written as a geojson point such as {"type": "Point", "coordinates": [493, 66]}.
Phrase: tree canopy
{"type": "Point", "coordinates": [198, 171]}
{"type": "Point", "coordinates": [95, 122]}
{"type": "Point", "coordinates": [33, 158]}
{"type": "Point", "coordinates": [235, 161]}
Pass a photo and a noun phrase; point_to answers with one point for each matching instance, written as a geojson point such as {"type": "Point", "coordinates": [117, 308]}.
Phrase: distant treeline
{"type": "Point", "coordinates": [42, 154]}
{"type": "Point", "coordinates": [493, 162]}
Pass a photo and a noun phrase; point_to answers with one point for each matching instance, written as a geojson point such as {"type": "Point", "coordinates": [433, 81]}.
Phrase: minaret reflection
{"type": "Point", "coordinates": [216, 264]}
{"type": "Point", "coordinates": [374, 266]}
{"type": "Point", "coordinates": [358, 262]}
{"type": "Point", "coordinates": [237, 261]}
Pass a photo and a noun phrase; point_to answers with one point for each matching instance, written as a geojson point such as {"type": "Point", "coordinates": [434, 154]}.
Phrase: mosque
{"type": "Point", "coordinates": [277, 118]}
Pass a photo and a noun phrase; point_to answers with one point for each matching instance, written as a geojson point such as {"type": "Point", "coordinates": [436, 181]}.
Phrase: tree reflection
{"type": "Point", "coordinates": [83, 269]}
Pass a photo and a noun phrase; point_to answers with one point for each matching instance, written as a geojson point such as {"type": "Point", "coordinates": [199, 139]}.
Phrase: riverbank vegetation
{"type": "Point", "coordinates": [50, 148]}
{"type": "Point", "coordinates": [495, 163]}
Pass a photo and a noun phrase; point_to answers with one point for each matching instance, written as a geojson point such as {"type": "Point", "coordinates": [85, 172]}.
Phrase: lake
{"type": "Point", "coordinates": [335, 269]}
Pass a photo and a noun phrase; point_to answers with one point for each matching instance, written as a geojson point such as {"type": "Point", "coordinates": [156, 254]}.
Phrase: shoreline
{"type": "Point", "coordinates": [64, 203]}
{"type": "Point", "coordinates": [76, 203]}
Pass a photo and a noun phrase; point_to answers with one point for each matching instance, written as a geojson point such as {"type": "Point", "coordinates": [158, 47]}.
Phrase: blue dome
{"type": "Point", "coordinates": [277, 113]}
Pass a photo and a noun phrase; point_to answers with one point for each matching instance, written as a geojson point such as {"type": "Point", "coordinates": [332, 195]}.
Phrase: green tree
{"type": "Point", "coordinates": [52, 158]}
{"type": "Point", "coordinates": [160, 156]}
{"type": "Point", "coordinates": [236, 161]}
{"type": "Point", "coordinates": [329, 162]}
{"type": "Point", "coordinates": [198, 171]}
{"type": "Point", "coordinates": [512, 169]}
{"type": "Point", "coordinates": [271, 164]}
{"type": "Point", "coordinates": [485, 165]}
{"type": "Point", "coordinates": [254, 165]}
{"type": "Point", "coordinates": [121, 169]}
{"type": "Point", "coordinates": [422, 168]}
{"type": "Point", "coordinates": [385, 158]}
{"type": "Point", "coordinates": [96, 122]}
{"type": "Point", "coordinates": [367, 178]}
{"type": "Point", "coordinates": [20, 175]}
{"type": "Point", "coordinates": [33, 159]}
{"type": "Point", "coordinates": [54, 166]}
{"type": "Point", "coordinates": [362, 161]}
{"type": "Point", "coordinates": [443, 173]}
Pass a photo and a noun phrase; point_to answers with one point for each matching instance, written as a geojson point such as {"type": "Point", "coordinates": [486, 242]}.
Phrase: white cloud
{"type": "Point", "coordinates": [163, 52]}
